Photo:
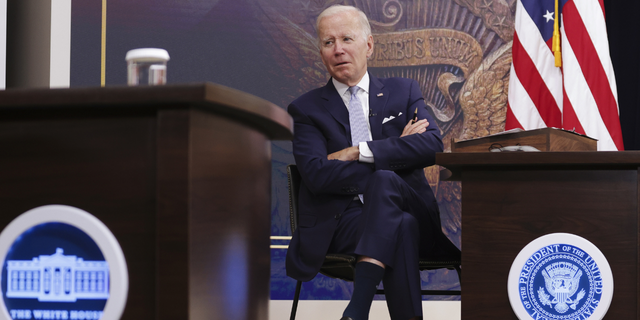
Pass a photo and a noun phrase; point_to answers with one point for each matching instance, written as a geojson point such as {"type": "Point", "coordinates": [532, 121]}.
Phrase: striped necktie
{"type": "Point", "coordinates": [357, 121]}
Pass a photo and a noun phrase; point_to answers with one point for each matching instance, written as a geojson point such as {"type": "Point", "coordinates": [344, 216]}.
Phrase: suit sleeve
{"type": "Point", "coordinates": [413, 151]}
{"type": "Point", "coordinates": [311, 148]}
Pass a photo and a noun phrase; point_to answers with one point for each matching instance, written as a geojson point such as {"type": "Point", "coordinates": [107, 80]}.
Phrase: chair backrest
{"type": "Point", "coordinates": [293, 177]}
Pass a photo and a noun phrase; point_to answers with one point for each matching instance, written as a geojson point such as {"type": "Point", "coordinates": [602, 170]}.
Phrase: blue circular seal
{"type": "Point", "coordinates": [560, 277]}
{"type": "Point", "coordinates": [61, 262]}
{"type": "Point", "coordinates": [54, 267]}
{"type": "Point", "coordinates": [560, 281]}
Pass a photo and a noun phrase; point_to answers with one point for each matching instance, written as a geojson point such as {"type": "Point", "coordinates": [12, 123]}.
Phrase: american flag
{"type": "Point", "coordinates": [582, 94]}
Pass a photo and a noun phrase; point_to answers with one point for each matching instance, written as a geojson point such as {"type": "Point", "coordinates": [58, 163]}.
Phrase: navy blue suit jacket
{"type": "Point", "coordinates": [321, 127]}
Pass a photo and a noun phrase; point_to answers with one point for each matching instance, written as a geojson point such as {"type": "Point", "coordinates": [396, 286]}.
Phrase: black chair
{"type": "Point", "coordinates": [343, 266]}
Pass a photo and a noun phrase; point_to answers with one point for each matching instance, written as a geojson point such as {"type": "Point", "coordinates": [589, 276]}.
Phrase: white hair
{"type": "Point", "coordinates": [337, 8]}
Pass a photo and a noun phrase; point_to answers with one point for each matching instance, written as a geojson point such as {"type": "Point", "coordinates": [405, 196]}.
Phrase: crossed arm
{"type": "Point", "coordinates": [397, 147]}
{"type": "Point", "coordinates": [353, 153]}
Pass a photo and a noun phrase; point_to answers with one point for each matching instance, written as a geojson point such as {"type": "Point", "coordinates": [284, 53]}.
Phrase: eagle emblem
{"type": "Point", "coordinates": [562, 280]}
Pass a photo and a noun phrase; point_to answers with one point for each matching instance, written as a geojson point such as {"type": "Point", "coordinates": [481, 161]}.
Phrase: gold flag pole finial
{"type": "Point", "coordinates": [555, 47]}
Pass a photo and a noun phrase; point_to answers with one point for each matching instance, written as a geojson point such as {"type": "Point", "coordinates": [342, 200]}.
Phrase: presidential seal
{"type": "Point", "coordinates": [560, 276]}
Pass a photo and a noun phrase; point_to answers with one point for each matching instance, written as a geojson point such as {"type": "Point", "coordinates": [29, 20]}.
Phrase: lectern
{"type": "Point", "coordinates": [180, 174]}
{"type": "Point", "coordinates": [510, 199]}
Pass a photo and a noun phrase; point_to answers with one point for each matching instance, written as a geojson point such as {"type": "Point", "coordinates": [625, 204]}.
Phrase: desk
{"type": "Point", "coordinates": [510, 199]}
{"type": "Point", "coordinates": [181, 174]}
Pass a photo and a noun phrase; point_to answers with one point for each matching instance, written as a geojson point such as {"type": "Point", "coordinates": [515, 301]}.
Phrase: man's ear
{"type": "Point", "coordinates": [369, 46]}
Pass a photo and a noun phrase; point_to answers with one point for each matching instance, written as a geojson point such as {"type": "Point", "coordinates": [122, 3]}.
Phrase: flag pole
{"type": "Point", "coordinates": [556, 38]}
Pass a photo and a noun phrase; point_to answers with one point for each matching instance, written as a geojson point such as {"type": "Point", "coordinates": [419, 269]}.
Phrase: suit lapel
{"type": "Point", "coordinates": [378, 97]}
{"type": "Point", "coordinates": [335, 106]}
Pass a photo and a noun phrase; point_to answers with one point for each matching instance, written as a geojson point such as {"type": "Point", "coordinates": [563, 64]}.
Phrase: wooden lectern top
{"type": "Point", "coordinates": [268, 118]}
{"type": "Point", "coordinates": [543, 139]}
{"type": "Point", "coordinates": [455, 163]}
{"type": "Point", "coordinates": [561, 149]}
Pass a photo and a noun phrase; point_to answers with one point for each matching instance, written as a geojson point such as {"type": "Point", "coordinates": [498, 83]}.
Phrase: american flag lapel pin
{"type": "Point", "coordinates": [380, 94]}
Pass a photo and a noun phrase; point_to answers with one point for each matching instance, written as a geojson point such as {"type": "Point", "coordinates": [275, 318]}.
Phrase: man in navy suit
{"type": "Point", "coordinates": [369, 197]}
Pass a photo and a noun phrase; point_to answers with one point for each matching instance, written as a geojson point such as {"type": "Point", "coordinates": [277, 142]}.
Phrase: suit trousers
{"type": "Point", "coordinates": [390, 227]}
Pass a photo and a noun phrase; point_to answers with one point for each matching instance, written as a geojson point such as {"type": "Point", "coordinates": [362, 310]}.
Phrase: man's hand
{"type": "Point", "coordinates": [419, 127]}
{"type": "Point", "coordinates": [348, 154]}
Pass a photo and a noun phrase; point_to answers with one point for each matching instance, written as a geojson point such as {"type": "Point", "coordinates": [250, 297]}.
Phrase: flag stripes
{"type": "Point", "coordinates": [538, 94]}
{"type": "Point", "coordinates": [535, 78]}
{"type": "Point", "coordinates": [582, 94]}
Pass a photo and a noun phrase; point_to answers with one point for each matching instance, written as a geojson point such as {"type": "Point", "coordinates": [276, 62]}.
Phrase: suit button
{"type": "Point", "coordinates": [337, 216]}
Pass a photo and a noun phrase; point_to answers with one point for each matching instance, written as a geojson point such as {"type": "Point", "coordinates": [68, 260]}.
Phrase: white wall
{"type": "Point", "coordinates": [3, 44]}
{"type": "Point", "coordinates": [60, 58]}
{"type": "Point", "coordinates": [38, 43]}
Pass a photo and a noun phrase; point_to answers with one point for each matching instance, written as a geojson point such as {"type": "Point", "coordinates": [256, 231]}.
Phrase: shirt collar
{"type": "Point", "coordinates": [342, 88]}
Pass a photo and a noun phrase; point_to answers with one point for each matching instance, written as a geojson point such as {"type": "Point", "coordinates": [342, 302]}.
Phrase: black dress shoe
{"type": "Point", "coordinates": [346, 318]}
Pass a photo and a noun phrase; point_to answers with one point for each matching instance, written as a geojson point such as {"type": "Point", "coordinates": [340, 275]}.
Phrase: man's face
{"type": "Point", "coordinates": [343, 48]}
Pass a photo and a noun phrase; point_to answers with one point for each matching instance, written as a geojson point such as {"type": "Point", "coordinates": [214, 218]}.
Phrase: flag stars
{"type": "Point", "coordinates": [549, 15]}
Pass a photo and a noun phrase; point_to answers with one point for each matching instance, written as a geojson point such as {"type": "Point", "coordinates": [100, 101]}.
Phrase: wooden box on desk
{"type": "Point", "coordinates": [545, 139]}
